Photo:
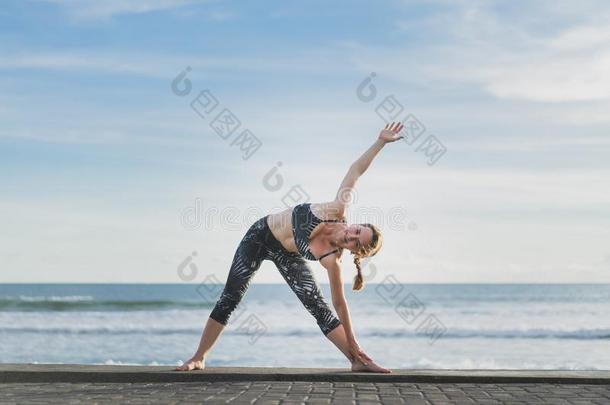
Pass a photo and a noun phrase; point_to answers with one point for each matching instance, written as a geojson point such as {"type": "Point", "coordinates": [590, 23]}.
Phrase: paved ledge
{"type": "Point", "coordinates": [73, 373]}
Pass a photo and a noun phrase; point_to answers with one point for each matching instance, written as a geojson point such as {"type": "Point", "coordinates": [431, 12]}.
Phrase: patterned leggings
{"type": "Point", "coordinates": [259, 244]}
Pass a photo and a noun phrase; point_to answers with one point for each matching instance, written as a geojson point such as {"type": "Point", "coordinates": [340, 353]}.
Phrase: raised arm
{"type": "Point", "coordinates": [357, 169]}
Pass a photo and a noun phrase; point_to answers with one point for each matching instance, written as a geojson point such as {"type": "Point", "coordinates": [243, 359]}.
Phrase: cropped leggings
{"type": "Point", "coordinates": [259, 244]}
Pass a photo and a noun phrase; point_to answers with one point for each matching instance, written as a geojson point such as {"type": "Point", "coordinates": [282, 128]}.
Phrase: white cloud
{"type": "Point", "coordinates": [540, 142]}
{"type": "Point", "coordinates": [69, 236]}
{"type": "Point", "coordinates": [93, 9]}
{"type": "Point", "coordinates": [86, 61]}
{"type": "Point", "coordinates": [164, 65]}
{"type": "Point", "coordinates": [582, 37]}
{"type": "Point", "coordinates": [507, 54]}
{"type": "Point", "coordinates": [571, 65]}
{"type": "Point", "coordinates": [71, 136]}
{"type": "Point", "coordinates": [551, 77]}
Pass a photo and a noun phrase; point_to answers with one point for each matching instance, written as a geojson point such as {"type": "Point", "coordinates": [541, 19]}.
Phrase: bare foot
{"type": "Point", "coordinates": [371, 367]}
{"type": "Point", "coordinates": [191, 365]}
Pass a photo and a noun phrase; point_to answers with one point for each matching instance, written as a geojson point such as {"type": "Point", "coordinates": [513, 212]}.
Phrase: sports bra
{"type": "Point", "coordinates": [303, 223]}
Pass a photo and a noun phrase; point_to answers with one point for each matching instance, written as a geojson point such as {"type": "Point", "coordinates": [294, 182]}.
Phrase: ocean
{"type": "Point", "coordinates": [434, 326]}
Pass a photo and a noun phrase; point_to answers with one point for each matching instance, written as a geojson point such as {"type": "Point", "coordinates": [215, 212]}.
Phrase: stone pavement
{"type": "Point", "coordinates": [73, 384]}
{"type": "Point", "coordinates": [284, 392]}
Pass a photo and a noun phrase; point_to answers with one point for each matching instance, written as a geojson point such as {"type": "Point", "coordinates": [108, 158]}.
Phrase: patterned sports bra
{"type": "Point", "coordinates": [303, 223]}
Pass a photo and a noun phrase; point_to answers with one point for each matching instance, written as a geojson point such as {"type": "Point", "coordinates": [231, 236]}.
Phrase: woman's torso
{"type": "Point", "coordinates": [319, 241]}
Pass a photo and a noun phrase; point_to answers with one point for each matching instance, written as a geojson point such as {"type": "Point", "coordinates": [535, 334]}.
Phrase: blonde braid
{"type": "Point", "coordinates": [366, 251]}
{"type": "Point", "coordinates": [358, 279]}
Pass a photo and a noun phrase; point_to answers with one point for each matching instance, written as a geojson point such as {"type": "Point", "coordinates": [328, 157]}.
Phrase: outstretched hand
{"type": "Point", "coordinates": [390, 132]}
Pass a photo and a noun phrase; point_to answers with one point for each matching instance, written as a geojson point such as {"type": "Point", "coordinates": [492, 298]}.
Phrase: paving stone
{"type": "Point", "coordinates": [282, 392]}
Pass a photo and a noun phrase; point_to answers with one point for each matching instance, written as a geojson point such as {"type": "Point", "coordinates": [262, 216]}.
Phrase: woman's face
{"type": "Point", "coordinates": [356, 236]}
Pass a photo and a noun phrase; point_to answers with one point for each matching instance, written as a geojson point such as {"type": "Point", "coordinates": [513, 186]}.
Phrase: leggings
{"type": "Point", "coordinates": [259, 244]}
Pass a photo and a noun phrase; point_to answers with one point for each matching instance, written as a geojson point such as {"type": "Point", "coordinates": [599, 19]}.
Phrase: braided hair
{"type": "Point", "coordinates": [366, 251]}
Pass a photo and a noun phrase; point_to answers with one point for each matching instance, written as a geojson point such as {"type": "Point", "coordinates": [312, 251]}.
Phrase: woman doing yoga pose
{"type": "Point", "coordinates": [313, 232]}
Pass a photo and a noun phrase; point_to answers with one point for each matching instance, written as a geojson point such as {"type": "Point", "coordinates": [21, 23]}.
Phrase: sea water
{"type": "Point", "coordinates": [446, 326]}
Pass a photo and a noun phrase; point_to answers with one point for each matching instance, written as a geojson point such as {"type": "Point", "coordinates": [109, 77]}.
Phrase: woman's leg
{"type": "Point", "coordinates": [246, 261]}
{"type": "Point", "coordinates": [210, 334]}
{"type": "Point", "coordinates": [299, 277]}
{"type": "Point", "coordinates": [339, 339]}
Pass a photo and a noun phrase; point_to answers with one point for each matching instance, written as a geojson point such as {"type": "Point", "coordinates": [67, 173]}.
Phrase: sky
{"type": "Point", "coordinates": [113, 168]}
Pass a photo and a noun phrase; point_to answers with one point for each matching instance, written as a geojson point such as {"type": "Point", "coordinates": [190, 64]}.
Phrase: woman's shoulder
{"type": "Point", "coordinates": [328, 210]}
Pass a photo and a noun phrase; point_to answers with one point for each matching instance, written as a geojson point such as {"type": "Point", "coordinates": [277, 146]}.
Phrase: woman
{"type": "Point", "coordinates": [312, 232]}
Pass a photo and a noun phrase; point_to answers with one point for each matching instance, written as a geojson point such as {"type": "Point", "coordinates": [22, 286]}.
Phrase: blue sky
{"type": "Point", "coordinates": [100, 160]}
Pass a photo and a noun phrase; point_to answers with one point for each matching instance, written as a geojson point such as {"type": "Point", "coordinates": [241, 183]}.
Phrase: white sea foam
{"type": "Point", "coordinates": [55, 298]}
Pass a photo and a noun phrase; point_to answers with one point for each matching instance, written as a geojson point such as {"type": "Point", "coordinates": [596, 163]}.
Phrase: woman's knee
{"type": "Point", "coordinates": [225, 306]}
{"type": "Point", "coordinates": [330, 325]}
{"type": "Point", "coordinates": [324, 316]}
